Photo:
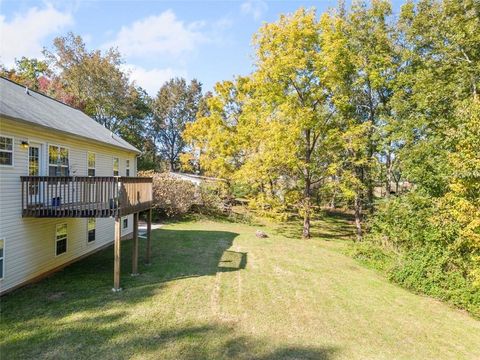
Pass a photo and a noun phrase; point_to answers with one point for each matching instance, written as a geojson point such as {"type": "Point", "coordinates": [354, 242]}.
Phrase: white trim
{"type": "Point", "coordinates": [44, 160]}
{"type": "Point", "coordinates": [94, 240]}
{"type": "Point", "coordinates": [41, 157]}
{"type": "Point", "coordinates": [113, 165]}
{"type": "Point", "coordinates": [56, 240]}
{"type": "Point", "coordinates": [9, 151]}
{"type": "Point", "coordinates": [48, 157]}
{"type": "Point", "coordinates": [95, 162]}
{"type": "Point", "coordinates": [3, 258]}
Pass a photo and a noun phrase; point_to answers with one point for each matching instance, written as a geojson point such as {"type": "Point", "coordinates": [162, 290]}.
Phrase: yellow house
{"type": "Point", "coordinates": [67, 188]}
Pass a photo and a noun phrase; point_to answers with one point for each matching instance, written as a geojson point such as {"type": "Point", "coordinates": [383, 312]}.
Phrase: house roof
{"type": "Point", "coordinates": [42, 110]}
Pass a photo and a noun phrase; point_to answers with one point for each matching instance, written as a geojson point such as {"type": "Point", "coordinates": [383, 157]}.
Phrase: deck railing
{"type": "Point", "coordinates": [82, 196]}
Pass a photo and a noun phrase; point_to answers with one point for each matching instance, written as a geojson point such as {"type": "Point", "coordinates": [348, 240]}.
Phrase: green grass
{"type": "Point", "coordinates": [215, 291]}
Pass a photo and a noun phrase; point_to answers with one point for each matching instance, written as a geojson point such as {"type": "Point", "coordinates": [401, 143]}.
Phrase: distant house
{"type": "Point", "coordinates": [195, 179]}
{"type": "Point", "coordinates": [67, 187]}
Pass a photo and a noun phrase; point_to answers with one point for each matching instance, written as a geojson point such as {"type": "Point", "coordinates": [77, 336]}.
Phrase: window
{"type": "Point", "coordinates": [57, 161]}
{"type": "Point", "coordinates": [125, 223]}
{"type": "Point", "coordinates": [61, 239]}
{"type": "Point", "coordinates": [115, 166]}
{"type": "Point", "coordinates": [91, 163]}
{"type": "Point", "coordinates": [91, 225]}
{"type": "Point", "coordinates": [2, 257]}
{"type": "Point", "coordinates": [33, 167]}
{"type": "Point", "coordinates": [6, 151]}
{"type": "Point", "coordinates": [33, 160]}
{"type": "Point", "coordinates": [127, 166]}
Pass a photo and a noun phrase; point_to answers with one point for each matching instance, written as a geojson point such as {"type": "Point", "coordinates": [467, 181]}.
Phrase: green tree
{"type": "Point", "coordinates": [213, 135]}
{"type": "Point", "coordinates": [28, 71]}
{"type": "Point", "coordinates": [289, 82]}
{"type": "Point", "coordinates": [175, 105]}
{"type": "Point", "coordinates": [93, 79]}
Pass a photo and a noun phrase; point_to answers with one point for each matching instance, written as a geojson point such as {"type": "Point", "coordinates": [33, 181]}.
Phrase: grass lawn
{"type": "Point", "coordinates": [215, 291]}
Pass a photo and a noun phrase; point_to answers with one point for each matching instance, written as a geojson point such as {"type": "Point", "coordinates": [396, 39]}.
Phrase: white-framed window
{"type": "Point", "coordinates": [2, 258]}
{"type": "Point", "coordinates": [58, 160]}
{"type": "Point", "coordinates": [91, 228]}
{"type": "Point", "coordinates": [6, 150]}
{"type": "Point", "coordinates": [91, 160]}
{"type": "Point", "coordinates": [125, 223]}
{"type": "Point", "coordinates": [61, 239]}
{"type": "Point", "coordinates": [33, 167]}
{"type": "Point", "coordinates": [127, 167]}
{"type": "Point", "coordinates": [116, 163]}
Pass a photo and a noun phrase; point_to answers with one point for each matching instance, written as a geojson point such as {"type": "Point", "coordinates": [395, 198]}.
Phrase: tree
{"type": "Point", "coordinates": [213, 135]}
{"type": "Point", "coordinates": [92, 79]}
{"type": "Point", "coordinates": [360, 63]}
{"type": "Point", "coordinates": [175, 105]}
{"type": "Point", "coordinates": [290, 82]}
{"type": "Point", "coordinates": [32, 73]}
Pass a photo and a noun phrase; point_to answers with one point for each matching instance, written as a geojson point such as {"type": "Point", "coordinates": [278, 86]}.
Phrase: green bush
{"type": "Point", "coordinates": [431, 271]}
{"type": "Point", "coordinates": [171, 196]}
{"type": "Point", "coordinates": [408, 245]}
{"type": "Point", "coordinates": [214, 198]}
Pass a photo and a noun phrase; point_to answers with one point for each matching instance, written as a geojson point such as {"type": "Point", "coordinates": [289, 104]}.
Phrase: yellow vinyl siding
{"type": "Point", "coordinates": [31, 242]}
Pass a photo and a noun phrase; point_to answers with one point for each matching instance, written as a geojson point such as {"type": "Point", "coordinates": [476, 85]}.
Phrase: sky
{"type": "Point", "coordinates": [207, 40]}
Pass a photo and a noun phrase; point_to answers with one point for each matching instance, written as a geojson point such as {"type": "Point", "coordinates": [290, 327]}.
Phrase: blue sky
{"type": "Point", "coordinates": [207, 40]}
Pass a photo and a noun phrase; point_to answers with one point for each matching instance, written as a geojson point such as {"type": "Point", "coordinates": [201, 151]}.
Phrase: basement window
{"type": "Point", "coordinates": [91, 227]}
{"type": "Point", "coordinates": [125, 223]}
{"type": "Point", "coordinates": [61, 239]}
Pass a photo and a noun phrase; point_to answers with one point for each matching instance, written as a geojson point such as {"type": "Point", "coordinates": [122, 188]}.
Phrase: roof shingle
{"type": "Point", "coordinates": [42, 110]}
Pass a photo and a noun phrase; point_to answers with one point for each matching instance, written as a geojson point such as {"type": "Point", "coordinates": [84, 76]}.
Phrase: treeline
{"type": "Point", "coordinates": [355, 102]}
{"type": "Point", "coordinates": [95, 82]}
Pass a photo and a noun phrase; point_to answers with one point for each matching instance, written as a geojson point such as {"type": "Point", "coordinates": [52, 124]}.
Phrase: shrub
{"type": "Point", "coordinates": [214, 198]}
{"type": "Point", "coordinates": [171, 196]}
{"type": "Point", "coordinates": [414, 250]}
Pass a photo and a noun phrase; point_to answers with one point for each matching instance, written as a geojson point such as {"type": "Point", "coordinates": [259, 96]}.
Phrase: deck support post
{"type": "Point", "coordinates": [149, 236]}
{"type": "Point", "coordinates": [116, 256]}
{"type": "Point", "coordinates": [135, 245]}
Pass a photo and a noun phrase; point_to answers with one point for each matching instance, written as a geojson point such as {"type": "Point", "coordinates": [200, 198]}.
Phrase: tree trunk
{"type": "Point", "coordinates": [307, 189]}
{"type": "Point", "coordinates": [333, 198]}
{"type": "Point", "coordinates": [358, 217]}
{"type": "Point", "coordinates": [307, 209]}
{"type": "Point", "coordinates": [272, 188]}
{"type": "Point", "coordinates": [389, 166]}
{"type": "Point", "coordinates": [306, 219]}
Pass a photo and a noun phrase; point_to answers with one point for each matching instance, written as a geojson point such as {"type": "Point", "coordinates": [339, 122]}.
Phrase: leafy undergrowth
{"type": "Point", "coordinates": [216, 291]}
{"type": "Point", "coordinates": [423, 271]}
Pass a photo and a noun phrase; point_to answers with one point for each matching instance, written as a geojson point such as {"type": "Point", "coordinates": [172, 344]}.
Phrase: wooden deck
{"type": "Point", "coordinates": [82, 197]}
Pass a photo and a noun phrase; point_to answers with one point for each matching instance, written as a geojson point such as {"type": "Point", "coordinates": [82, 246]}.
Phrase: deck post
{"type": "Point", "coordinates": [135, 245]}
{"type": "Point", "coordinates": [116, 256]}
{"type": "Point", "coordinates": [149, 235]}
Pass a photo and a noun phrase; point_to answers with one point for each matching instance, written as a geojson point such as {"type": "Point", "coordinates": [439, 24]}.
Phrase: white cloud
{"type": "Point", "coordinates": [23, 35]}
{"type": "Point", "coordinates": [151, 80]}
{"type": "Point", "coordinates": [160, 35]}
{"type": "Point", "coordinates": [256, 8]}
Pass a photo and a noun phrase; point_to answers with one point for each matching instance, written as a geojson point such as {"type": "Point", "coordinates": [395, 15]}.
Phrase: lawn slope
{"type": "Point", "coordinates": [215, 291]}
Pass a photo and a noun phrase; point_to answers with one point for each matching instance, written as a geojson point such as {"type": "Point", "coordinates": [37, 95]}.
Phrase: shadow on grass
{"type": "Point", "coordinates": [107, 337]}
{"type": "Point", "coordinates": [74, 315]}
{"type": "Point", "coordinates": [176, 254]}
